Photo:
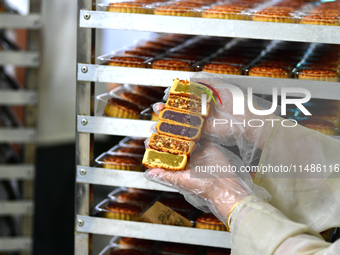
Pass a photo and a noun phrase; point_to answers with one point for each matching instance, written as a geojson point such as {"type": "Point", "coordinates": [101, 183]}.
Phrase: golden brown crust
{"type": "Point", "coordinates": [275, 14]}
{"type": "Point", "coordinates": [321, 19]}
{"type": "Point", "coordinates": [123, 208]}
{"type": "Point", "coordinates": [187, 4]}
{"type": "Point", "coordinates": [209, 221]}
{"type": "Point", "coordinates": [222, 68]}
{"type": "Point", "coordinates": [124, 104]}
{"type": "Point", "coordinates": [171, 65]}
{"type": "Point", "coordinates": [130, 7]}
{"type": "Point", "coordinates": [136, 99]}
{"type": "Point", "coordinates": [176, 11]}
{"type": "Point", "coordinates": [226, 11]}
{"type": "Point", "coordinates": [318, 74]}
{"type": "Point", "coordinates": [265, 71]}
{"type": "Point", "coordinates": [125, 4]}
{"type": "Point", "coordinates": [209, 218]}
{"type": "Point", "coordinates": [118, 159]}
{"type": "Point", "coordinates": [127, 62]}
{"type": "Point", "coordinates": [119, 108]}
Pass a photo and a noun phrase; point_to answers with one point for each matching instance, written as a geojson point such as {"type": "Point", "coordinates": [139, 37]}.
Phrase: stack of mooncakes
{"type": "Point", "coordinates": [179, 127]}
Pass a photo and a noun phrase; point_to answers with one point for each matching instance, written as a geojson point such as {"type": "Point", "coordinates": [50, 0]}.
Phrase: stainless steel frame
{"type": "Point", "coordinates": [88, 124]}
{"type": "Point", "coordinates": [85, 90]}
{"type": "Point", "coordinates": [27, 135]}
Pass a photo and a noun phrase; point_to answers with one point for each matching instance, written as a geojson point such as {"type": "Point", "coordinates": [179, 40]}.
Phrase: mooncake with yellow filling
{"type": "Point", "coordinates": [164, 160]}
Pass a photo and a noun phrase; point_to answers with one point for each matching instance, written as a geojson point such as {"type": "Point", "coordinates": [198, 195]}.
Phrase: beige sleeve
{"type": "Point", "coordinates": [308, 195]}
{"type": "Point", "coordinates": [258, 228]}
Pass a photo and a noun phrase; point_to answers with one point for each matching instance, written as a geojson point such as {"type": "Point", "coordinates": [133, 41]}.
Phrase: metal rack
{"type": "Point", "coordinates": [87, 124]}
{"type": "Point", "coordinates": [24, 171]}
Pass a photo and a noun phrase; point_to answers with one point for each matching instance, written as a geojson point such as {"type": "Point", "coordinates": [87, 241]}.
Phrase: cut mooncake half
{"type": "Point", "coordinates": [181, 118]}
{"type": "Point", "coordinates": [179, 131]}
{"type": "Point", "coordinates": [171, 144]}
{"type": "Point", "coordinates": [190, 89]}
{"type": "Point", "coordinates": [186, 104]}
{"type": "Point", "coordinates": [158, 159]}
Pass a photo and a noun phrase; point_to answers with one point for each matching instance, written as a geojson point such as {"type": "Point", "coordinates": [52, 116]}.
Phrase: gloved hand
{"type": "Point", "coordinates": [248, 131]}
{"type": "Point", "coordinates": [215, 192]}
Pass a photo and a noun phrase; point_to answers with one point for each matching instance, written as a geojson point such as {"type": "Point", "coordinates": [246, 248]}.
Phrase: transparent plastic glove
{"type": "Point", "coordinates": [215, 192]}
{"type": "Point", "coordinates": [248, 130]}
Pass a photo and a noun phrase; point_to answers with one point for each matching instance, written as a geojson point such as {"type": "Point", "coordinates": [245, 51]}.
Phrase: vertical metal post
{"type": "Point", "coordinates": [33, 44]}
{"type": "Point", "coordinates": [85, 106]}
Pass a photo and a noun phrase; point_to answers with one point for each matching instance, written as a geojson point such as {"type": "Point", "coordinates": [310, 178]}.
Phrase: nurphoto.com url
{"type": "Point", "coordinates": [309, 168]}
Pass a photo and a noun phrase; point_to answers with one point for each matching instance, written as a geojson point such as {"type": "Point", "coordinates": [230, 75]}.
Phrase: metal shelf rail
{"type": "Point", "coordinates": [12, 21]}
{"type": "Point", "coordinates": [17, 171]}
{"type": "Point", "coordinates": [19, 58]}
{"type": "Point", "coordinates": [18, 97]}
{"type": "Point", "coordinates": [87, 124]}
{"type": "Point", "coordinates": [153, 231]}
{"type": "Point", "coordinates": [146, 76]}
{"type": "Point", "coordinates": [26, 135]}
{"type": "Point", "coordinates": [18, 135]}
{"type": "Point", "coordinates": [212, 27]}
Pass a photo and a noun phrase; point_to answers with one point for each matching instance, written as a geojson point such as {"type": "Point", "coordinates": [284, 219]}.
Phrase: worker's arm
{"type": "Point", "coordinates": [258, 228]}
